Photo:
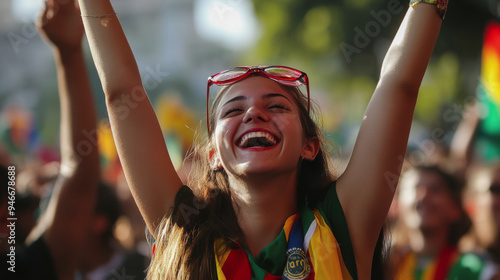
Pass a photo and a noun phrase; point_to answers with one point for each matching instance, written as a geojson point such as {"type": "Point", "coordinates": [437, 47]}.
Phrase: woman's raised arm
{"type": "Point", "coordinates": [367, 186]}
{"type": "Point", "coordinates": [138, 137]}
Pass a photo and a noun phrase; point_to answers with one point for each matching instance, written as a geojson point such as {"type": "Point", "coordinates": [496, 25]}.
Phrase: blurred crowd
{"type": "Point", "coordinates": [445, 216]}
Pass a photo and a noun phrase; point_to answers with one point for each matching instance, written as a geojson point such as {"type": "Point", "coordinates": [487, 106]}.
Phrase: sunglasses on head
{"type": "Point", "coordinates": [280, 74]}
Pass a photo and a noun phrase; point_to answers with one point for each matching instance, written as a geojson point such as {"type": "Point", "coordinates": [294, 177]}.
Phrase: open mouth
{"type": "Point", "coordinates": [257, 139]}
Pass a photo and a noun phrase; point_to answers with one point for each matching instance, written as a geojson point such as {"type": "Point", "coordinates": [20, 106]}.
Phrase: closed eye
{"type": "Point", "coordinates": [278, 106]}
{"type": "Point", "coordinates": [231, 110]}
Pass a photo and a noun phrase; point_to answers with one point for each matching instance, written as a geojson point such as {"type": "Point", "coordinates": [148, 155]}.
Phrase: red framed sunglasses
{"type": "Point", "coordinates": [280, 74]}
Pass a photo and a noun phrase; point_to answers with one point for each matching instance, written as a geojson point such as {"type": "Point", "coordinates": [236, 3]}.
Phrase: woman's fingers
{"type": "Point", "coordinates": [51, 4]}
{"type": "Point", "coordinates": [42, 17]}
{"type": "Point", "coordinates": [52, 7]}
{"type": "Point", "coordinates": [60, 23]}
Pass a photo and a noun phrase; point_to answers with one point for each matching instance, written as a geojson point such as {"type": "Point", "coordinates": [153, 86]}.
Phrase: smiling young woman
{"type": "Point", "coordinates": [262, 202]}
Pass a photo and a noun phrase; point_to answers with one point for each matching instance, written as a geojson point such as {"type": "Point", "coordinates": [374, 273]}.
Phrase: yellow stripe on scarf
{"type": "Point", "coordinates": [406, 269]}
{"type": "Point", "coordinates": [430, 271]}
{"type": "Point", "coordinates": [325, 253]}
{"type": "Point", "coordinates": [219, 248]}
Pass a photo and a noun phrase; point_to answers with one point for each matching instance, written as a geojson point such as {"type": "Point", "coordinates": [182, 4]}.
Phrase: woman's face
{"type": "Point", "coordinates": [258, 129]}
{"type": "Point", "coordinates": [434, 204]}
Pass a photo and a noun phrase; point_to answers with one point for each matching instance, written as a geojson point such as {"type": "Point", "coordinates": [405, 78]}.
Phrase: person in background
{"type": "Point", "coordinates": [52, 249]}
{"type": "Point", "coordinates": [431, 202]}
{"type": "Point", "coordinates": [484, 183]}
{"type": "Point", "coordinates": [103, 257]}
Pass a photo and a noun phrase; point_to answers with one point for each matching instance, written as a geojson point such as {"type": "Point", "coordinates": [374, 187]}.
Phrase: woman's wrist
{"type": "Point", "coordinates": [67, 54]}
{"type": "Point", "coordinates": [441, 5]}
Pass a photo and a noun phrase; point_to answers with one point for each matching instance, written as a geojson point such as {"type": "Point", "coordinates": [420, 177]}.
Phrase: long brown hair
{"type": "Point", "coordinates": [204, 213]}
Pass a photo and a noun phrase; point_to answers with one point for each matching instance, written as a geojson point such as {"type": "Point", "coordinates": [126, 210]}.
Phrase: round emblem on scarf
{"type": "Point", "coordinates": [297, 265]}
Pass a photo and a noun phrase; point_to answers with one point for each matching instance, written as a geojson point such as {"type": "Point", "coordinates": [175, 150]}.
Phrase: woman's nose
{"type": "Point", "coordinates": [255, 113]}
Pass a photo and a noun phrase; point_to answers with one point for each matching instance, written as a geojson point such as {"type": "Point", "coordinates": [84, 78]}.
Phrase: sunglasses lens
{"type": "Point", "coordinates": [285, 75]}
{"type": "Point", "coordinates": [282, 72]}
{"type": "Point", "coordinates": [229, 75]}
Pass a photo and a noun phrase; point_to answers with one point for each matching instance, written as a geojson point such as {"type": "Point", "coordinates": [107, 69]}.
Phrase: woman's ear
{"type": "Point", "coordinates": [310, 149]}
{"type": "Point", "coordinates": [214, 159]}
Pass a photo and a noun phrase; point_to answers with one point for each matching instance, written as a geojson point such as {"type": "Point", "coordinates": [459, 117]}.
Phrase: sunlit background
{"type": "Point", "coordinates": [179, 43]}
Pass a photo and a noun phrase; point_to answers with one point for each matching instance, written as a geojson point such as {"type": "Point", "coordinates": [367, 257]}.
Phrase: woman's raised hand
{"type": "Point", "coordinates": [60, 24]}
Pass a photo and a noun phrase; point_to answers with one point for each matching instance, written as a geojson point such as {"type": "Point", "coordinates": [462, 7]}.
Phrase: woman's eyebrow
{"type": "Point", "coordinates": [271, 95]}
{"type": "Point", "coordinates": [237, 98]}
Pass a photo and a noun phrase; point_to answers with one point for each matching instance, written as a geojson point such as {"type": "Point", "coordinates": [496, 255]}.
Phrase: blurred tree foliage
{"type": "Point", "coordinates": [323, 39]}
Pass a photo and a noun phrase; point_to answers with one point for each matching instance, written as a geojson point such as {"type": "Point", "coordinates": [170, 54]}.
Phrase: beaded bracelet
{"type": "Point", "coordinates": [441, 5]}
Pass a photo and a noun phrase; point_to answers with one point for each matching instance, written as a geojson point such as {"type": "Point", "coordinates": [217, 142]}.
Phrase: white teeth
{"type": "Point", "coordinates": [246, 137]}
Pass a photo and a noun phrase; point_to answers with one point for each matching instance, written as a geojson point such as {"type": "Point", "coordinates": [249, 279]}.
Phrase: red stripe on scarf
{"type": "Point", "coordinates": [269, 276]}
{"type": "Point", "coordinates": [237, 266]}
{"type": "Point", "coordinates": [445, 260]}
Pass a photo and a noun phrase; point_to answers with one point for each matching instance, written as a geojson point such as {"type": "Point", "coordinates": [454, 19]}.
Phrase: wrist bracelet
{"type": "Point", "coordinates": [99, 16]}
{"type": "Point", "coordinates": [441, 5]}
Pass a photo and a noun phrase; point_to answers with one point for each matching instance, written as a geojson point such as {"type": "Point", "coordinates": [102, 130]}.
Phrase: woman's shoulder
{"type": "Point", "coordinates": [327, 202]}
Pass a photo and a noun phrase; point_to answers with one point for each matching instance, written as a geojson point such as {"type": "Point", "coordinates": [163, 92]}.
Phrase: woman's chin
{"type": "Point", "coordinates": [255, 169]}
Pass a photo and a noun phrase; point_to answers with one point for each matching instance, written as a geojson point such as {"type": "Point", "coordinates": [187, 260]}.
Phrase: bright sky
{"type": "Point", "coordinates": [26, 9]}
{"type": "Point", "coordinates": [229, 22]}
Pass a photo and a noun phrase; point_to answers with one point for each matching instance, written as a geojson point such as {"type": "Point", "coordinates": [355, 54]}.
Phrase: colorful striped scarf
{"type": "Point", "coordinates": [320, 259]}
{"type": "Point", "coordinates": [437, 269]}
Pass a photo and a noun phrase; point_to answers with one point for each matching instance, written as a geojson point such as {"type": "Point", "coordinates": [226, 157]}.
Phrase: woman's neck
{"type": "Point", "coordinates": [262, 207]}
{"type": "Point", "coordinates": [434, 241]}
